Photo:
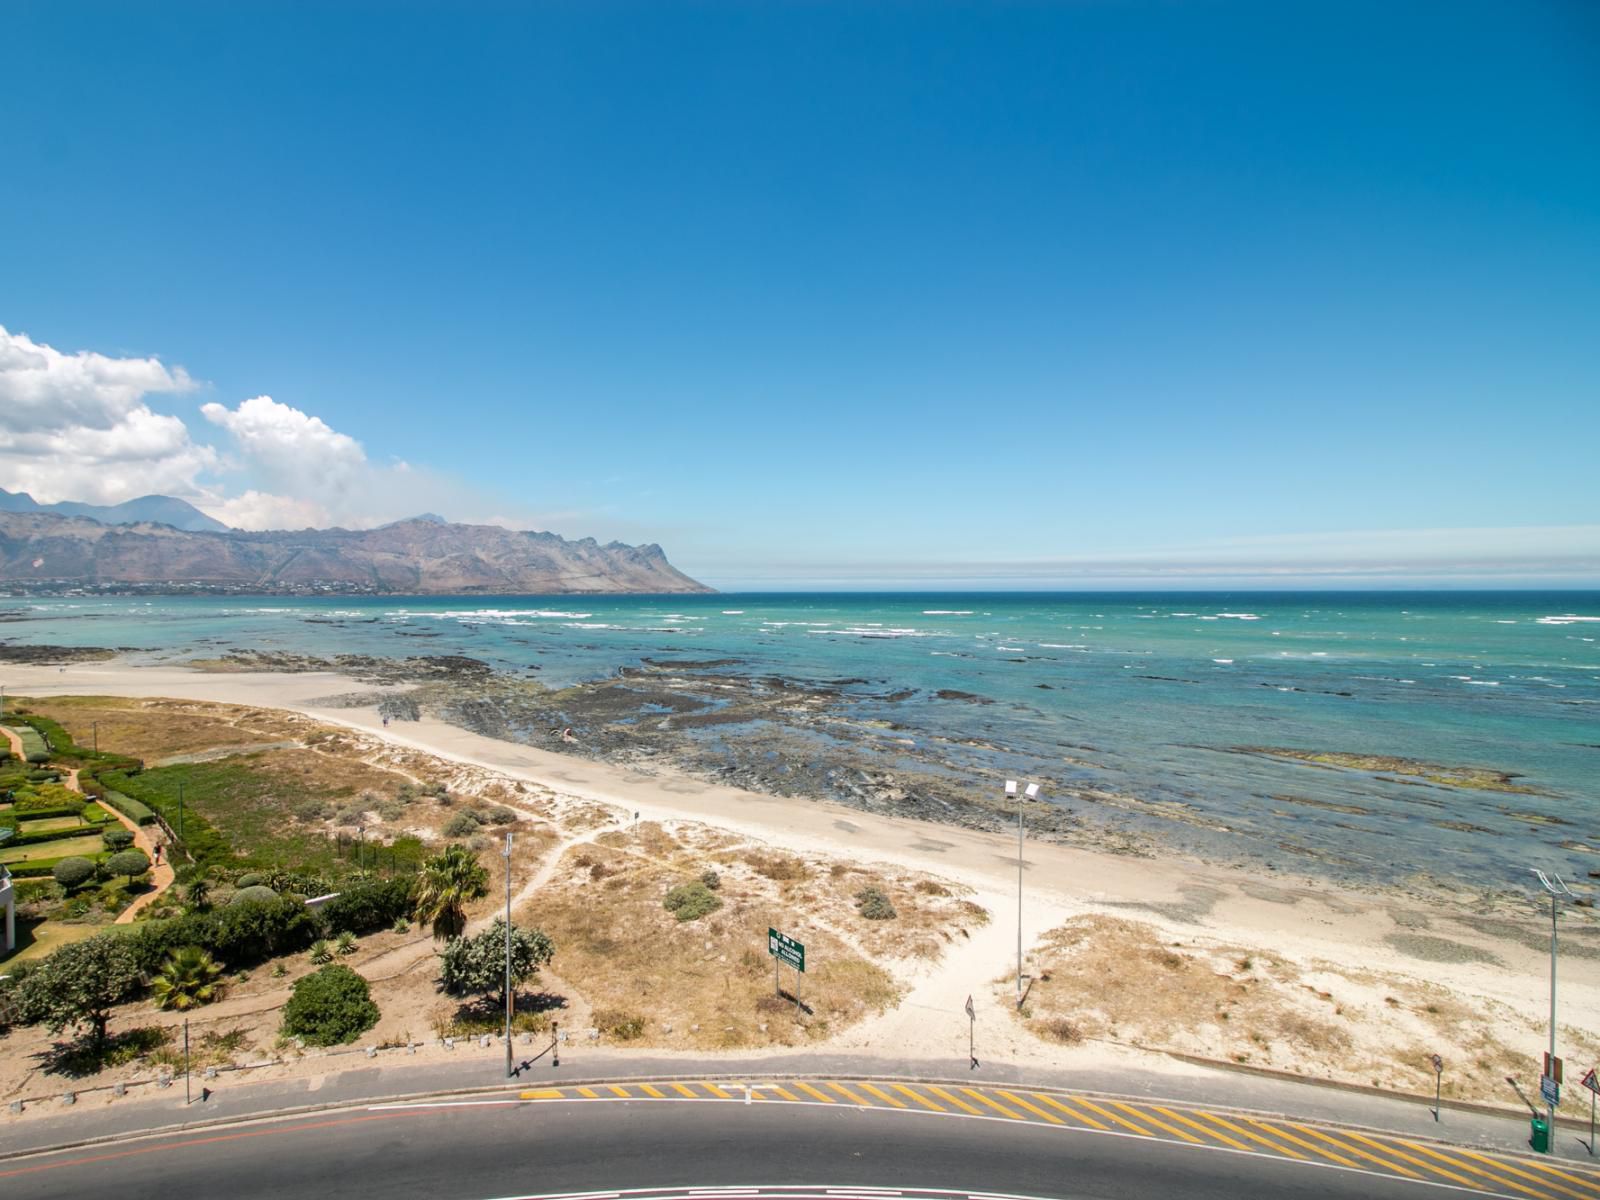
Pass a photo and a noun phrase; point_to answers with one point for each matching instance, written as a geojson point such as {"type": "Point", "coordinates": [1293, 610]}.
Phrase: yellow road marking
{"type": "Point", "coordinates": [785, 1093]}
{"type": "Point", "coordinates": [1034, 1109]}
{"type": "Point", "coordinates": [1298, 1141]}
{"type": "Point", "coordinates": [1254, 1137]}
{"type": "Point", "coordinates": [1205, 1129]}
{"type": "Point", "coordinates": [1415, 1162]}
{"type": "Point", "coordinates": [715, 1090]}
{"type": "Point", "coordinates": [1360, 1153]}
{"type": "Point", "coordinates": [686, 1091]}
{"type": "Point", "coordinates": [959, 1103]}
{"type": "Point", "coordinates": [650, 1091]}
{"type": "Point", "coordinates": [1111, 1116]}
{"type": "Point", "coordinates": [1454, 1162]}
{"type": "Point", "coordinates": [1511, 1170]}
{"type": "Point", "coordinates": [588, 1093]}
{"type": "Point", "coordinates": [1156, 1121]}
{"type": "Point", "coordinates": [811, 1091]}
{"type": "Point", "coordinates": [884, 1096]}
{"type": "Point", "coordinates": [849, 1095]}
{"type": "Point", "coordinates": [621, 1091]}
{"type": "Point", "coordinates": [1578, 1179]}
{"type": "Point", "coordinates": [542, 1094]}
{"type": "Point", "coordinates": [918, 1097]}
{"type": "Point", "coordinates": [1082, 1118]}
{"type": "Point", "coordinates": [999, 1108]}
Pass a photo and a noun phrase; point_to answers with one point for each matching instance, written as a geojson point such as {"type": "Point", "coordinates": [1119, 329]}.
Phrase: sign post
{"type": "Point", "coordinates": [1438, 1075]}
{"type": "Point", "coordinates": [1593, 1084]}
{"type": "Point", "coordinates": [972, 1027]}
{"type": "Point", "coordinates": [784, 948]}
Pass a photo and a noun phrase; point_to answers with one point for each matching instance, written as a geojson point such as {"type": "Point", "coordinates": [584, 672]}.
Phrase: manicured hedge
{"type": "Point", "coordinates": [60, 744]}
{"type": "Point", "coordinates": [367, 906]}
{"type": "Point", "coordinates": [40, 814]}
{"type": "Point", "coordinates": [34, 747]}
{"type": "Point", "coordinates": [136, 812]}
{"type": "Point", "coordinates": [33, 837]}
{"type": "Point", "coordinates": [36, 867]}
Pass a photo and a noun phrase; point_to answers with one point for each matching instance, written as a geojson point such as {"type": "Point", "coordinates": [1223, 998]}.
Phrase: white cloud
{"type": "Point", "coordinates": [262, 510]}
{"type": "Point", "coordinates": [76, 426]}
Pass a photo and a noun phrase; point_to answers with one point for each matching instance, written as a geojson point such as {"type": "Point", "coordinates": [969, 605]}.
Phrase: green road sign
{"type": "Point", "coordinates": [785, 948]}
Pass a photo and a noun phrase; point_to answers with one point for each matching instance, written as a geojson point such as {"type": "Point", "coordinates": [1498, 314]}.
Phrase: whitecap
{"type": "Point", "coordinates": [947, 612]}
{"type": "Point", "coordinates": [733, 612]}
{"type": "Point", "coordinates": [1224, 661]}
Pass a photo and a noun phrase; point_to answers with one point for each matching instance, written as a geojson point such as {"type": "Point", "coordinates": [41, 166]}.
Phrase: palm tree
{"type": "Point", "coordinates": [198, 890]}
{"type": "Point", "coordinates": [188, 979]}
{"type": "Point", "coordinates": [449, 880]}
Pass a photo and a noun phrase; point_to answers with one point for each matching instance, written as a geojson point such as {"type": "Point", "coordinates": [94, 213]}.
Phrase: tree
{"type": "Point", "coordinates": [329, 1007]}
{"type": "Point", "coordinates": [199, 893]}
{"type": "Point", "coordinates": [117, 839]}
{"type": "Point", "coordinates": [448, 882]}
{"type": "Point", "coordinates": [128, 862]}
{"type": "Point", "coordinates": [73, 872]}
{"type": "Point", "coordinates": [79, 984]}
{"type": "Point", "coordinates": [476, 965]}
{"type": "Point", "coordinates": [188, 979]}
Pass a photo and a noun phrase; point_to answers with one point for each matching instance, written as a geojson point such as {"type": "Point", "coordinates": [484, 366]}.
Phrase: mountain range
{"type": "Point", "coordinates": [164, 510]}
{"type": "Point", "coordinates": [44, 548]}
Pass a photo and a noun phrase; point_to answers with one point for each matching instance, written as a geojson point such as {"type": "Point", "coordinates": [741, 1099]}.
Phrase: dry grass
{"type": "Point", "coordinates": [158, 729]}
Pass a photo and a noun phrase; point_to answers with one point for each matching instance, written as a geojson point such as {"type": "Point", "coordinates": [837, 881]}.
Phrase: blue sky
{"type": "Point", "coordinates": [827, 294]}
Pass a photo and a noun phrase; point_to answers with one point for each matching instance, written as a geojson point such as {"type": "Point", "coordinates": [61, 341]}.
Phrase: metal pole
{"type": "Point", "coordinates": [187, 1098]}
{"type": "Point", "coordinates": [1591, 1124]}
{"type": "Point", "coordinates": [95, 725]}
{"type": "Point", "coordinates": [1019, 901]}
{"type": "Point", "coordinates": [511, 999]}
{"type": "Point", "coordinates": [180, 810]}
{"type": "Point", "coordinates": [1551, 1107]}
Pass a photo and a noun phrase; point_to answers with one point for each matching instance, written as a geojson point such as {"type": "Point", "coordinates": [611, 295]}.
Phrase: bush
{"type": "Point", "coordinates": [501, 815]}
{"type": "Point", "coordinates": [128, 862]}
{"type": "Point", "coordinates": [254, 894]}
{"type": "Point", "coordinates": [463, 824]}
{"type": "Point", "coordinates": [249, 880]}
{"type": "Point", "coordinates": [476, 965]}
{"type": "Point", "coordinates": [873, 904]}
{"type": "Point", "coordinates": [116, 839]}
{"type": "Point", "coordinates": [330, 1007]}
{"type": "Point", "coordinates": [240, 935]}
{"type": "Point", "coordinates": [138, 813]}
{"type": "Point", "coordinates": [73, 872]}
{"type": "Point", "coordinates": [691, 901]}
{"type": "Point", "coordinates": [711, 879]}
{"type": "Point", "coordinates": [320, 953]}
{"type": "Point", "coordinates": [368, 906]}
{"type": "Point", "coordinates": [624, 1026]}
{"type": "Point", "coordinates": [189, 978]}
{"type": "Point", "coordinates": [346, 943]}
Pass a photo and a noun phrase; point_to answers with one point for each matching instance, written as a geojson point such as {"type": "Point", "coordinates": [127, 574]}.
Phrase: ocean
{"type": "Point", "coordinates": [1143, 713]}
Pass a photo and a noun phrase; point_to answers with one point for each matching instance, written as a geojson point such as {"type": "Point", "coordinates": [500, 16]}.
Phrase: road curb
{"type": "Point", "coordinates": [502, 1088]}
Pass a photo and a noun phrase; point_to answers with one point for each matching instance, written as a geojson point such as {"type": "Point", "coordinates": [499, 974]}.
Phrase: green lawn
{"type": "Point", "coordinates": [36, 938]}
{"type": "Point", "coordinates": [26, 826]}
{"type": "Point", "coordinates": [88, 846]}
{"type": "Point", "coordinates": [32, 743]}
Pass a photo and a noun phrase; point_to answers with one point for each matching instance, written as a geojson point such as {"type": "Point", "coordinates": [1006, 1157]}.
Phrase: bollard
{"type": "Point", "coordinates": [164, 1080]}
{"type": "Point", "coordinates": [70, 1098]}
{"type": "Point", "coordinates": [120, 1089]}
{"type": "Point", "coordinates": [16, 1106]}
{"type": "Point", "coordinates": [211, 1072]}
{"type": "Point", "coordinates": [372, 1052]}
{"type": "Point", "coordinates": [449, 1043]}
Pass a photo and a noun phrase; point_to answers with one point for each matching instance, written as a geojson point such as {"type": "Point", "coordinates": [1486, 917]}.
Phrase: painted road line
{"type": "Point", "coordinates": [621, 1091]}
{"type": "Point", "coordinates": [1416, 1162]}
{"type": "Point", "coordinates": [715, 1090]}
{"type": "Point", "coordinates": [918, 1097]}
{"type": "Point", "coordinates": [787, 1095]}
{"type": "Point", "coordinates": [1506, 1166]}
{"type": "Point", "coordinates": [1570, 1178]}
{"type": "Point", "coordinates": [588, 1093]}
{"type": "Point", "coordinates": [1156, 1121]}
{"type": "Point", "coordinates": [653, 1092]}
{"type": "Point", "coordinates": [1081, 1118]}
{"type": "Point", "coordinates": [1303, 1144]}
{"type": "Point", "coordinates": [849, 1095]}
{"type": "Point", "coordinates": [948, 1098]}
{"type": "Point", "coordinates": [685, 1090]}
{"type": "Point", "coordinates": [1111, 1116]}
{"type": "Point", "coordinates": [881, 1095]}
{"type": "Point", "coordinates": [542, 1094]}
{"type": "Point", "coordinates": [1254, 1137]}
{"type": "Point", "coordinates": [1359, 1152]}
{"type": "Point", "coordinates": [1034, 1109]}
{"type": "Point", "coordinates": [1205, 1129]}
{"type": "Point", "coordinates": [1464, 1166]}
{"type": "Point", "coordinates": [999, 1108]}
{"type": "Point", "coordinates": [811, 1091]}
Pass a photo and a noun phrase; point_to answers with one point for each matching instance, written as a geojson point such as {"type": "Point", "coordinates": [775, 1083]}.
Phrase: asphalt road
{"type": "Point", "coordinates": [483, 1150]}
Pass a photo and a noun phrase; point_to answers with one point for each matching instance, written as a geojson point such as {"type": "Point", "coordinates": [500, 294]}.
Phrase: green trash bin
{"type": "Point", "coordinates": [1540, 1138]}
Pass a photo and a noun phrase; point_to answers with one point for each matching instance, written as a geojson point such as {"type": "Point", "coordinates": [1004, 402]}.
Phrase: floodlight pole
{"type": "Point", "coordinates": [511, 999]}
{"type": "Point", "coordinates": [1032, 793]}
{"type": "Point", "coordinates": [1556, 887]}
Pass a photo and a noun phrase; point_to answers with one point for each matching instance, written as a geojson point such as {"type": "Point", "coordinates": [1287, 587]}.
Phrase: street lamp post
{"type": "Point", "coordinates": [1032, 793]}
{"type": "Point", "coordinates": [511, 999]}
{"type": "Point", "coordinates": [1557, 888]}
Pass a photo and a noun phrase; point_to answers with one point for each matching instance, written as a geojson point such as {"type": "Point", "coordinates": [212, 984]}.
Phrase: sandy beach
{"type": "Point", "coordinates": [1373, 945]}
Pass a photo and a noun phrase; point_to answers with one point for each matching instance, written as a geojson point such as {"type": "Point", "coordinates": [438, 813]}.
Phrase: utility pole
{"type": "Point", "coordinates": [95, 726]}
{"type": "Point", "coordinates": [511, 1000]}
{"type": "Point", "coordinates": [1031, 794]}
{"type": "Point", "coordinates": [180, 810]}
{"type": "Point", "coordinates": [1555, 886]}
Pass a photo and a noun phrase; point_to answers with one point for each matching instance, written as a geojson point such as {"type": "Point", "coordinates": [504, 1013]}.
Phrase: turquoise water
{"type": "Point", "coordinates": [1134, 695]}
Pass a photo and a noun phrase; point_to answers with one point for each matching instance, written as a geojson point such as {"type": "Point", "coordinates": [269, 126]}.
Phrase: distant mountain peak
{"type": "Point", "coordinates": [158, 510]}
{"type": "Point", "coordinates": [426, 518]}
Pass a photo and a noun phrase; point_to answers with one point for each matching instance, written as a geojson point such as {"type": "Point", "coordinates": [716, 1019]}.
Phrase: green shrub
{"type": "Point", "coordinates": [138, 813]}
{"type": "Point", "coordinates": [345, 943]}
{"type": "Point", "coordinates": [249, 880]}
{"type": "Point", "coordinates": [624, 1026]}
{"type": "Point", "coordinates": [116, 839]}
{"type": "Point", "coordinates": [711, 879]}
{"type": "Point", "coordinates": [501, 815]}
{"type": "Point", "coordinates": [873, 904]}
{"type": "Point", "coordinates": [189, 978]}
{"type": "Point", "coordinates": [239, 935]}
{"type": "Point", "coordinates": [255, 894]}
{"type": "Point", "coordinates": [463, 824]}
{"type": "Point", "coordinates": [477, 965]}
{"type": "Point", "coordinates": [330, 1007]}
{"type": "Point", "coordinates": [73, 872]}
{"type": "Point", "coordinates": [320, 953]}
{"type": "Point", "coordinates": [368, 906]}
{"type": "Point", "coordinates": [128, 862]}
{"type": "Point", "coordinates": [691, 901]}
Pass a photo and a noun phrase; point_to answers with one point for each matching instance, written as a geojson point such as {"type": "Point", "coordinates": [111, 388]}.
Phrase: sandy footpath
{"type": "Point", "coordinates": [1309, 920]}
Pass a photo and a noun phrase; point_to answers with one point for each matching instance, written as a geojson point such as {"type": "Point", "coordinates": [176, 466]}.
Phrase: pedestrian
{"type": "Point", "coordinates": [158, 853]}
